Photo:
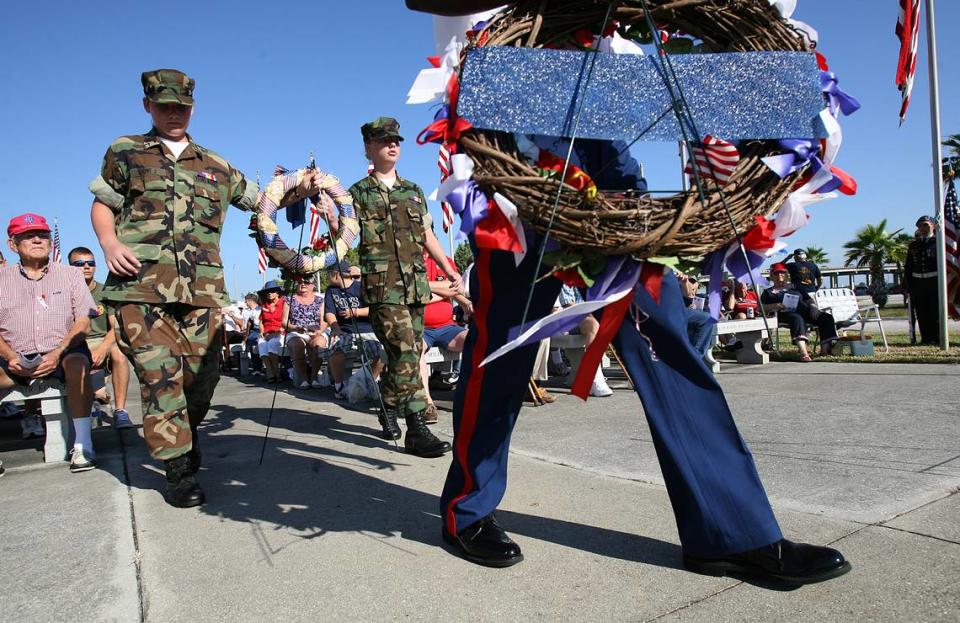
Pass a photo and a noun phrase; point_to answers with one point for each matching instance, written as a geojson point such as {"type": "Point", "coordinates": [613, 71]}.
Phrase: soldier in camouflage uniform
{"type": "Point", "coordinates": [159, 208]}
{"type": "Point", "coordinates": [394, 230]}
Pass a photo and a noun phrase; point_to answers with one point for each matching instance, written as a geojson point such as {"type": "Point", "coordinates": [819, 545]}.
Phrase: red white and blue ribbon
{"type": "Point", "coordinates": [617, 282]}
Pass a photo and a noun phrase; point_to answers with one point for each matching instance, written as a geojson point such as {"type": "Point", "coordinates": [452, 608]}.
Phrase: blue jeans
{"type": "Point", "coordinates": [701, 329]}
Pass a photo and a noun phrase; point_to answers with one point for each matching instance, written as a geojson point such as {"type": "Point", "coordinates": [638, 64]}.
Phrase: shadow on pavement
{"type": "Point", "coordinates": [311, 490]}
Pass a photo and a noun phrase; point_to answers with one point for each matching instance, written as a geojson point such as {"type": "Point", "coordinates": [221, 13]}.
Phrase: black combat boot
{"type": "Point", "coordinates": [388, 420]}
{"type": "Point", "coordinates": [183, 490]}
{"type": "Point", "coordinates": [420, 441]}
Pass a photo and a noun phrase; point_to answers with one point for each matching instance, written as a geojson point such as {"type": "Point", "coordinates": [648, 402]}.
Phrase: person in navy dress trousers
{"type": "Point", "coordinates": [723, 515]}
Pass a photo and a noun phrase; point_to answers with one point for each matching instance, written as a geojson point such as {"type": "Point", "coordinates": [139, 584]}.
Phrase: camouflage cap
{"type": "Point", "coordinates": [381, 128]}
{"type": "Point", "coordinates": [167, 86]}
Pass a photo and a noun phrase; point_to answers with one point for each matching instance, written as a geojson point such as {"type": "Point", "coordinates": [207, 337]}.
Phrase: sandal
{"type": "Point", "coordinates": [806, 358]}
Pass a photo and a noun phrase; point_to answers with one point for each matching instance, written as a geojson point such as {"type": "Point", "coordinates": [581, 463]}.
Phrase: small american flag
{"type": "Point", "coordinates": [443, 161]}
{"type": "Point", "coordinates": [908, 31]}
{"type": "Point", "coordinates": [262, 261]}
{"type": "Point", "coordinates": [716, 160]}
{"type": "Point", "coordinates": [315, 218]}
{"type": "Point", "coordinates": [951, 230]}
{"type": "Point", "coordinates": [56, 242]}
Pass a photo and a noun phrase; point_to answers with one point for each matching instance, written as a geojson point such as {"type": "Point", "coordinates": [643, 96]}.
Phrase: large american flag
{"type": "Point", "coordinates": [56, 242]}
{"type": "Point", "coordinates": [908, 30]}
{"type": "Point", "coordinates": [951, 227]}
{"type": "Point", "coordinates": [716, 159]}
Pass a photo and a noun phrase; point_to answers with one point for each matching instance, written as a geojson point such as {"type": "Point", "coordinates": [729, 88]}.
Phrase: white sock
{"type": "Point", "coordinates": [598, 377]}
{"type": "Point", "coordinates": [81, 429]}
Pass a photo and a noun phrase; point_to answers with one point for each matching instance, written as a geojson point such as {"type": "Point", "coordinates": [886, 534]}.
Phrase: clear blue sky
{"type": "Point", "coordinates": [275, 82]}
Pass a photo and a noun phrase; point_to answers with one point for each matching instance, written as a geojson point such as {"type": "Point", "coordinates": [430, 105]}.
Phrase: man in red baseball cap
{"type": "Point", "coordinates": [45, 314]}
{"type": "Point", "coordinates": [795, 311]}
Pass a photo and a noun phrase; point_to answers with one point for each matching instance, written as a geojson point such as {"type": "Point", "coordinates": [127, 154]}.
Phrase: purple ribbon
{"type": "Point", "coordinates": [470, 204]}
{"type": "Point", "coordinates": [839, 99]}
{"type": "Point", "coordinates": [741, 271]}
{"type": "Point", "coordinates": [713, 268]}
{"type": "Point", "coordinates": [800, 153]}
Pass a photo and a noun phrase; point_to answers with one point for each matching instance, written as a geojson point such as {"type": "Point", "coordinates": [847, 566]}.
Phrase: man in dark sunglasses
{"type": "Point", "coordinates": [102, 340]}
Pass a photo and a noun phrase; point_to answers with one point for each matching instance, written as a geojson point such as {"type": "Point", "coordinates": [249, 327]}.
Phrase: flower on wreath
{"type": "Point", "coordinates": [321, 243]}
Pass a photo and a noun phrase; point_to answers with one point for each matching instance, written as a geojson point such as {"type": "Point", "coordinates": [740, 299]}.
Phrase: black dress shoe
{"type": "Point", "coordinates": [485, 543]}
{"type": "Point", "coordinates": [183, 490]}
{"type": "Point", "coordinates": [783, 561]}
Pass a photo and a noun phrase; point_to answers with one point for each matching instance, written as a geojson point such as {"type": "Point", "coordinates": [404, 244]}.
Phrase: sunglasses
{"type": "Point", "coordinates": [81, 263]}
{"type": "Point", "coordinates": [42, 235]}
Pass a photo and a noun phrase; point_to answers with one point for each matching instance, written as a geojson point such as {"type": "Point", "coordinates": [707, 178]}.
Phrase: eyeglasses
{"type": "Point", "coordinates": [30, 235]}
{"type": "Point", "coordinates": [81, 263]}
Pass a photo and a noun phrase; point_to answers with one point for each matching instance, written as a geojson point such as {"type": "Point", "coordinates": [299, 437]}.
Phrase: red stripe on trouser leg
{"type": "Point", "coordinates": [471, 403]}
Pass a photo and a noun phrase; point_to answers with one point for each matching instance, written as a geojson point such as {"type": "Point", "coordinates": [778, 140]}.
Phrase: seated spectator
{"type": "Point", "coordinates": [347, 316]}
{"type": "Point", "coordinates": [45, 314]}
{"type": "Point", "coordinates": [251, 330]}
{"type": "Point", "coordinates": [439, 327]}
{"type": "Point", "coordinates": [306, 332]}
{"type": "Point", "coordinates": [232, 325]}
{"type": "Point", "coordinates": [588, 328]}
{"type": "Point", "coordinates": [701, 327]}
{"type": "Point", "coordinates": [740, 301]}
{"type": "Point", "coordinates": [272, 305]}
{"type": "Point", "coordinates": [806, 311]}
{"type": "Point", "coordinates": [102, 340]}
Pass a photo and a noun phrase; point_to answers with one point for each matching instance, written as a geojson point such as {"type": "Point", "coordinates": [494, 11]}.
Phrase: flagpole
{"type": "Point", "coordinates": [937, 172]}
{"type": "Point", "coordinates": [450, 239]}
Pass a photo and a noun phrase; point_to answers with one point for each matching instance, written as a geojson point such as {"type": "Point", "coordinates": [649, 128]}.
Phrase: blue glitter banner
{"type": "Point", "coordinates": [733, 96]}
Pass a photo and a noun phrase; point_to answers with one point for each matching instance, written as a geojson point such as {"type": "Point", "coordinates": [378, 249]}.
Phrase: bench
{"type": "Point", "coordinates": [843, 305]}
{"type": "Point", "coordinates": [435, 355]}
{"type": "Point", "coordinates": [750, 332]}
{"type": "Point", "coordinates": [53, 407]}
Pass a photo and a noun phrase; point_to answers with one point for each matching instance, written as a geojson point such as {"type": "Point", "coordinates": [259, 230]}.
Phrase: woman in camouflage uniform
{"type": "Point", "coordinates": [395, 227]}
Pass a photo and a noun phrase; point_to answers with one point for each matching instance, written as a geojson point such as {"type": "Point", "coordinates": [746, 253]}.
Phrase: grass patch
{"type": "Point", "coordinates": [901, 351]}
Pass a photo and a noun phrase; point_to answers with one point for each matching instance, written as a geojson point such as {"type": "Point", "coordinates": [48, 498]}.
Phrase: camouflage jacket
{"type": "Point", "coordinates": [393, 226]}
{"type": "Point", "coordinates": [170, 211]}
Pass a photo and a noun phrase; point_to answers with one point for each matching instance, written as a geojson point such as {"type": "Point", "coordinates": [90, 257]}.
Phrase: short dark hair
{"type": "Point", "coordinates": [79, 250]}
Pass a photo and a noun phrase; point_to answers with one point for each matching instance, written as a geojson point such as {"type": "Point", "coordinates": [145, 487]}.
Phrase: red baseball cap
{"type": "Point", "coordinates": [779, 267]}
{"type": "Point", "coordinates": [26, 222]}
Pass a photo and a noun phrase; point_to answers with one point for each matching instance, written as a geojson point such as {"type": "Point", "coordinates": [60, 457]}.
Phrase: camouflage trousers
{"type": "Point", "coordinates": [400, 331]}
{"type": "Point", "coordinates": [174, 349]}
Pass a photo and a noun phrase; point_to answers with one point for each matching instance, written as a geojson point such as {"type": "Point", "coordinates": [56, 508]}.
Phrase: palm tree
{"type": "Point", "coordinates": [952, 160]}
{"type": "Point", "coordinates": [817, 255]}
{"type": "Point", "coordinates": [953, 142]}
{"type": "Point", "coordinates": [874, 246]}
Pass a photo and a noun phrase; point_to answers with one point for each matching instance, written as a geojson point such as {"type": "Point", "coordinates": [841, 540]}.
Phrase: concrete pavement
{"type": "Point", "coordinates": [336, 525]}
